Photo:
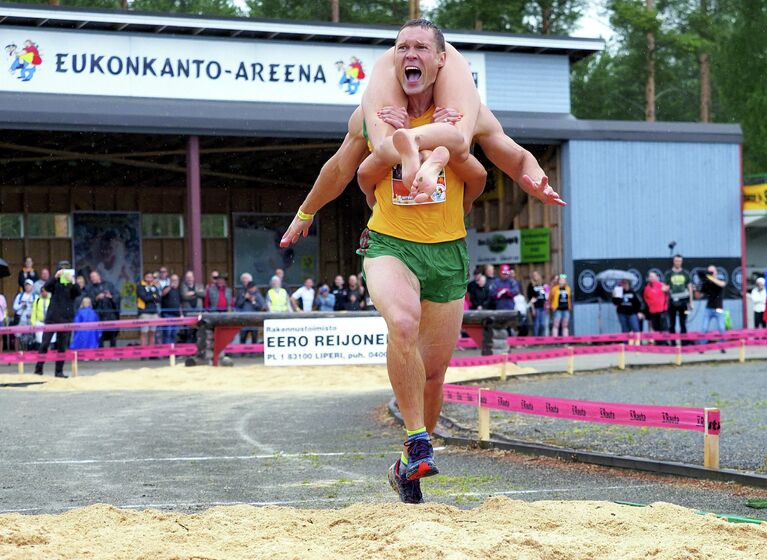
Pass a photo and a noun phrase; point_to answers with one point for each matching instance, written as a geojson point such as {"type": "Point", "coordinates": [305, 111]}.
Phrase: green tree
{"type": "Point", "coordinates": [392, 12]}
{"type": "Point", "coordinates": [547, 17]}
{"type": "Point", "coordinates": [740, 75]}
{"type": "Point", "coordinates": [198, 7]}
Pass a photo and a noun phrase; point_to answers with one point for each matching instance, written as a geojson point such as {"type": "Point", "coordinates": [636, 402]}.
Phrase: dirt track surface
{"type": "Point", "coordinates": [186, 453]}
{"type": "Point", "coordinates": [498, 529]}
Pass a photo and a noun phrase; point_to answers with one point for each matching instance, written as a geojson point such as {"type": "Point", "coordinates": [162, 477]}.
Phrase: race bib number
{"type": "Point", "coordinates": [400, 194]}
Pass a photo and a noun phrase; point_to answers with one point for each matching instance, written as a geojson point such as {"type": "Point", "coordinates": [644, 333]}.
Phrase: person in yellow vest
{"type": "Point", "coordinates": [39, 309]}
{"type": "Point", "coordinates": [415, 256]}
{"type": "Point", "coordinates": [277, 298]}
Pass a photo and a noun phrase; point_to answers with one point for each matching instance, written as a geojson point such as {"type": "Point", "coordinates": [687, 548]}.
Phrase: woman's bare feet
{"type": "Point", "coordinates": [426, 179]}
{"type": "Point", "coordinates": [405, 143]}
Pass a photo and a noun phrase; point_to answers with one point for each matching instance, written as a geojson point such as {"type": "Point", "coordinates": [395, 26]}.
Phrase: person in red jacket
{"type": "Point", "coordinates": [656, 299]}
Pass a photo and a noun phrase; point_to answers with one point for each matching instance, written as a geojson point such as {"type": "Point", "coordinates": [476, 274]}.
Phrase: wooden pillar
{"type": "Point", "coordinates": [193, 208]}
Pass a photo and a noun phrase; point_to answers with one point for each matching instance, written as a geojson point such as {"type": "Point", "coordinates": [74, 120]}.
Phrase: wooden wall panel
{"type": "Point", "coordinates": [12, 250]}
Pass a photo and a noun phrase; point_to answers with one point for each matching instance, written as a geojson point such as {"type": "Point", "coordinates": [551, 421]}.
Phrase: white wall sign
{"type": "Point", "coordinates": [494, 247]}
{"type": "Point", "coordinates": [117, 64]}
{"type": "Point", "coordinates": [315, 342]}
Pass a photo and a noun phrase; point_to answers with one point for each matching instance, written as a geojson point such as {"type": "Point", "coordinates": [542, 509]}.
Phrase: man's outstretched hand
{"type": "Point", "coordinates": [542, 190]}
{"type": "Point", "coordinates": [296, 229]}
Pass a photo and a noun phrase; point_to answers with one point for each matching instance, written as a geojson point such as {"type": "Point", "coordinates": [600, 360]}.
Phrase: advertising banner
{"type": "Point", "coordinates": [110, 242]}
{"type": "Point", "coordinates": [513, 246]}
{"type": "Point", "coordinates": [595, 279]}
{"type": "Point", "coordinates": [316, 342]}
{"type": "Point", "coordinates": [226, 69]}
{"type": "Point", "coordinates": [755, 198]}
{"type": "Point", "coordinates": [257, 249]}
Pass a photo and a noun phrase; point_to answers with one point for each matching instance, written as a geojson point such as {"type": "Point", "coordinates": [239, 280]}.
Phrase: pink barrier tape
{"type": "Point", "coordinates": [602, 349]}
{"type": "Point", "coordinates": [467, 394]}
{"type": "Point", "coordinates": [478, 360]}
{"type": "Point", "coordinates": [676, 417]}
{"type": "Point", "coordinates": [625, 337]}
{"type": "Point", "coordinates": [101, 325]}
{"type": "Point", "coordinates": [539, 355]}
{"type": "Point", "coordinates": [122, 352]}
{"type": "Point", "coordinates": [684, 349]}
{"type": "Point", "coordinates": [245, 349]}
{"type": "Point", "coordinates": [529, 340]}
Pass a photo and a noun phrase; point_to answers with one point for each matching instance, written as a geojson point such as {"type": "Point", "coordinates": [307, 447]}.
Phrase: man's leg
{"type": "Point", "coordinates": [47, 336]}
{"type": "Point", "coordinates": [396, 291]}
{"type": "Point", "coordinates": [62, 343]}
{"type": "Point", "coordinates": [673, 310]}
{"type": "Point", "coordinates": [438, 334]}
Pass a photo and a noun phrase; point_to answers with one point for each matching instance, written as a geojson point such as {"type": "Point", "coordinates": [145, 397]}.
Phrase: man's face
{"type": "Point", "coordinates": [652, 277]}
{"type": "Point", "coordinates": [309, 283]}
{"type": "Point", "coordinates": [174, 281]}
{"type": "Point", "coordinates": [163, 273]}
{"type": "Point", "coordinates": [352, 281]}
{"type": "Point", "coordinates": [214, 276]}
{"type": "Point", "coordinates": [416, 59]}
{"type": "Point", "coordinates": [45, 274]}
{"type": "Point", "coordinates": [95, 277]}
{"type": "Point", "coordinates": [189, 278]}
{"type": "Point", "coordinates": [712, 270]}
{"type": "Point", "coordinates": [339, 281]}
{"type": "Point", "coordinates": [677, 262]}
{"type": "Point", "coordinates": [148, 277]}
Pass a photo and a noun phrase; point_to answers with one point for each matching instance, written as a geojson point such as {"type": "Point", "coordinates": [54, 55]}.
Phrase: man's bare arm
{"type": "Point", "coordinates": [513, 159]}
{"type": "Point", "coordinates": [334, 176]}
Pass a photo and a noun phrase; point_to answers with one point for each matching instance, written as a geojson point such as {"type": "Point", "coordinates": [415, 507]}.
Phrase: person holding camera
{"type": "Point", "coordinates": [248, 301]}
{"type": "Point", "coordinates": [148, 304]}
{"type": "Point", "coordinates": [713, 289]}
{"type": "Point", "coordinates": [64, 291]}
{"type": "Point", "coordinates": [106, 303]}
{"type": "Point", "coordinates": [22, 308]}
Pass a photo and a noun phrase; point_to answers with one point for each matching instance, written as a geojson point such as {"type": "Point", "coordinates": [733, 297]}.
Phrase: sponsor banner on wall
{"type": "Point", "coordinates": [110, 242]}
{"type": "Point", "coordinates": [513, 246]}
{"type": "Point", "coordinates": [226, 69]}
{"type": "Point", "coordinates": [595, 279]}
{"type": "Point", "coordinates": [257, 249]}
{"type": "Point", "coordinates": [755, 198]}
{"type": "Point", "coordinates": [327, 341]}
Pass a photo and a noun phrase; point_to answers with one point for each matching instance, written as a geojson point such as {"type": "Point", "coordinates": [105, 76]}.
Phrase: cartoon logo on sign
{"type": "Point", "coordinates": [25, 60]}
{"type": "Point", "coordinates": [351, 75]}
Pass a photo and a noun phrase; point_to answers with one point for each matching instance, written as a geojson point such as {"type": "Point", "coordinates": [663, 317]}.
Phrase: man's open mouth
{"type": "Point", "coordinates": [412, 74]}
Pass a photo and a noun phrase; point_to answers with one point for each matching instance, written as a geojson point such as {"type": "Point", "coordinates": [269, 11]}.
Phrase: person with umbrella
{"type": "Point", "coordinates": [64, 291]}
{"type": "Point", "coordinates": [628, 306]}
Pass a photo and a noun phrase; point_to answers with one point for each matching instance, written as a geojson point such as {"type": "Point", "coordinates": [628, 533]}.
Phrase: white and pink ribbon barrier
{"type": "Point", "coordinates": [245, 349]}
{"type": "Point", "coordinates": [623, 337]}
{"type": "Point", "coordinates": [117, 353]}
{"type": "Point", "coordinates": [102, 325]}
{"type": "Point", "coordinates": [677, 417]}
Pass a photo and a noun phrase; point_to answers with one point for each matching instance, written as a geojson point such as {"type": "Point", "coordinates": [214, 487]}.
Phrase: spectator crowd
{"type": "Point", "coordinates": [545, 308]}
{"type": "Point", "coordinates": [162, 294]}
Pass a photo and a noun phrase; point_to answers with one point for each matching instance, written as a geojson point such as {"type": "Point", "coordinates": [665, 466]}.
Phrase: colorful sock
{"type": "Point", "coordinates": [420, 433]}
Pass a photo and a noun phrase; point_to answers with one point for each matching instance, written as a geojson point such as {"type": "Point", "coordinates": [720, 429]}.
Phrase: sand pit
{"type": "Point", "coordinates": [251, 378]}
{"type": "Point", "coordinates": [498, 529]}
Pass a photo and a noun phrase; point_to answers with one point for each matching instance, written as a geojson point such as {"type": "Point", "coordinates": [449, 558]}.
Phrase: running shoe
{"type": "Point", "coordinates": [409, 491]}
{"type": "Point", "coordinates": [420, 459]}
